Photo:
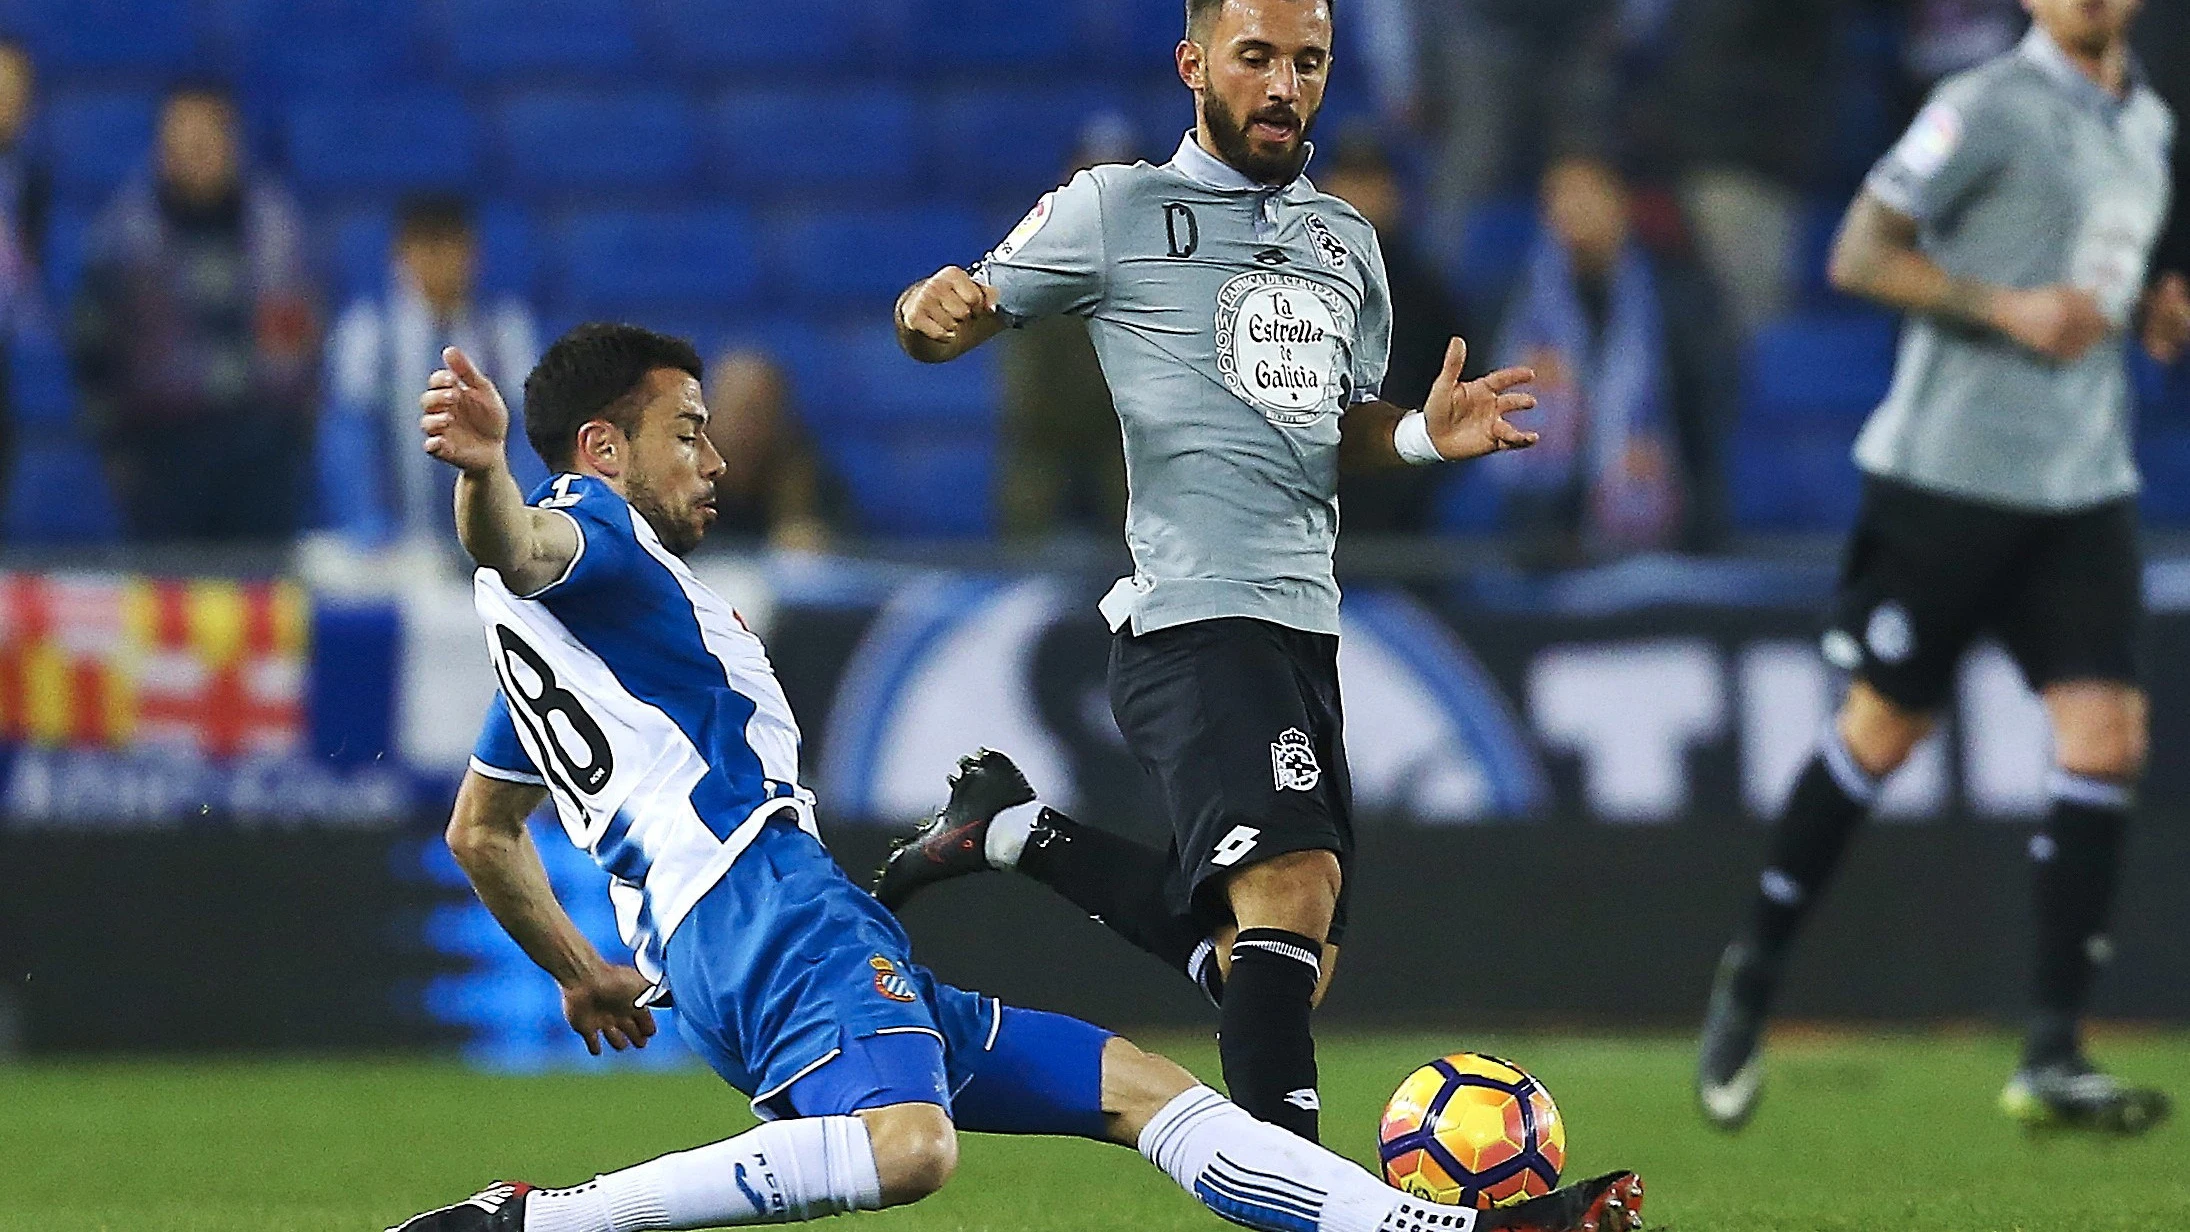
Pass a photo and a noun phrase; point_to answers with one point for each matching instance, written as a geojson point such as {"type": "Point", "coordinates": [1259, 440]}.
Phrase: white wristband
{"type": "Point", "coordinates": [1412, 439]}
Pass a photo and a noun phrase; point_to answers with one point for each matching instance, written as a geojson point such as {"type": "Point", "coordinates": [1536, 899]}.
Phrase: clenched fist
{"type": "Point", "coordinates": [947, 315]}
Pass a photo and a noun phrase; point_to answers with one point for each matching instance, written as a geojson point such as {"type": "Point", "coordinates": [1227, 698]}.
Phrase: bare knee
{"type": "Point", "coordinates": [1136, 1086]}
{"type": "Point", "coordinates": [1296, 891]}
{"type": "Point", "coordinates": [2099, 728]}
{"type": "Point", "coordinates": [1879, 733]}
{"type": "Point", "coordinates": [915, 1150]}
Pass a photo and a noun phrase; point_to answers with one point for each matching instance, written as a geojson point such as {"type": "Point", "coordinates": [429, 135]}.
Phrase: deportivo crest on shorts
{"type": "Point", "coordinates": [1328, 246]}
{"type": "Point", "coordinates": [890, 982]}
{"type": "Point", "coordinates": [1293, 762]}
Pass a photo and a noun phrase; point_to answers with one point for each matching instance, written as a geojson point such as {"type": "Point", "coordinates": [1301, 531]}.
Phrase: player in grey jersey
{"type": "Point", "coordinates": [2015, 224]}
{"type": "Point", "coordinates": [1243, 322]}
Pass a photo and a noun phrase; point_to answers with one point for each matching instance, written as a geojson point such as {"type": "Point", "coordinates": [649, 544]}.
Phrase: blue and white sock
{"type": "Point", "coordinates": [1259, 1176]}
{"type": "Point", "coordinates": [780, 1172]}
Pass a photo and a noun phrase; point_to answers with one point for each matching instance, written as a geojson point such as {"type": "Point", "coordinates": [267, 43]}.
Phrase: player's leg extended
{"type": "Point", "coordinates": [2073, 625]}
{"type": "Point", "coordinates": [1260, 1176]}
{"type": "Point", "coordinates": [994, 821]}
{"type": "Point", "coordinates": [2099, 735]}
{"type": "Point", "coordinates": [1037, 1073]}
{"type": "Point", "coordinates": [1869, 738]}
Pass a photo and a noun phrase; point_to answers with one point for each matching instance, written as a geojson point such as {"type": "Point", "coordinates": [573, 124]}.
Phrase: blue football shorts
{"type": "Point", "coordinates": [799, 989]}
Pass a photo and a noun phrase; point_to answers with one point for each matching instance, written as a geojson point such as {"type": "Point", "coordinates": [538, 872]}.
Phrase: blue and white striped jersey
{"type": "Point", "coordinates": [640, 700]}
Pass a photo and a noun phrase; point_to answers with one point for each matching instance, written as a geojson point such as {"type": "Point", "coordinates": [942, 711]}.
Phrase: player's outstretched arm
{"type": "Point", "coordinates": [1876, 257]}
{"type": "Point", "coordinates": [1462, 420]}
{"type": "Point", "coordinates": [487, 836]}
{"type": "Point", "coordinates": [467, 426]}
{"type": "Point", "coordinates": [942, 318]}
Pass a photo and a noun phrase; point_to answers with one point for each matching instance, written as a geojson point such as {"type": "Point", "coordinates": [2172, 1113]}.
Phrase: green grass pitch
{"type": "Point", "coordinates": [1889, 1132]}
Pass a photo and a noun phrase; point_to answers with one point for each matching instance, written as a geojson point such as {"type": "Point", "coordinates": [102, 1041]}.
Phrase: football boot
{"type": "Point", "coordinates": [954, 842]}
{"type": "Point", "coordinates": [499, 1207]}
{"type": "Point", "coordinates": [2074, 1094]}
{"type": "Point", "coordinates": [1729, 1058]}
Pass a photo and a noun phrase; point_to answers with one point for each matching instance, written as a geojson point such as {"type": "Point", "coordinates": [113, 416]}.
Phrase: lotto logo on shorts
{"type": "Point", "coordinates": [890, 982]}
{"type": "Point", "coordinates": [1293, 762]}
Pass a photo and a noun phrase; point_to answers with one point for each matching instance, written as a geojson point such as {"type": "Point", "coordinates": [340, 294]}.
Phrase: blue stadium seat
{"type": "Point", "coordinates": [919, 487]}
{"type": "Point", "coordinates": [418, 140]}
{"type": "Point", "coordinates": [359, 243]}
{"type": "Point", "coordinates": [509, 250]}
{"type": "Point", "coordinates": [773, 142]}
{"type": "Point", "coordinates": [1823, 370]}
{"type": "Point", "coordinates": [1014, 35]}
{"type": "Point", "coordinates": [736, 36]}
{"type": "Point", "coordinates": [624, 262]}
{"type": "Point", "coordinates": [861, 259]}
{"type": "Point", "coordinates": [1015, 142]}
{"type": "Point", "coordinates": [1794, 481]}
{"type": "Point", "coordinates": [875, 384]}
{"type": "Point", "coordinates": [324, 48]}
{"type": "Point", "coordinates": [59, 494]}
{"type": "Point", "coordinates": [638, 142]}
{"type": "Point", "coordinates": [2164, 457]}
{"type": "Point", "coordinates": [1495, 240]}
{"type": "Point", "coordinates": [1140, 34]}
{"type": "Point", "coordinates": [98, 138]}
{"type": "Point", "coordinates": [541, 39]}
{"type": "Point", "coordinates": [68, 231]}
{"type": "Point", "coordinates": [1469, 501]}
{"type": "Point", "coordinates": [41, 387]}
{"type": "Point", "coordinates": [70, 38]}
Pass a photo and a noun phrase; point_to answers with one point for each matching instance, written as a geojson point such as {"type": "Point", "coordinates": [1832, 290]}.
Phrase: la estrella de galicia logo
{"type": "Point", "coordinates": [1282, 345]}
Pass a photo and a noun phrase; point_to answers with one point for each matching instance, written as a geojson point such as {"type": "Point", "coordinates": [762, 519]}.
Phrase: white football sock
{"type": "Point", "coordinates": [1253, 1173]}
{"type": "Point", "coordinates": [1008, 834]}
{"type": "Point", "coordinates": [780, 1172]}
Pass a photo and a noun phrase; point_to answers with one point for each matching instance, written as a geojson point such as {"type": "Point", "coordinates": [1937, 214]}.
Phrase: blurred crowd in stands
{"type": "Point", "coordinates": [223, 278]}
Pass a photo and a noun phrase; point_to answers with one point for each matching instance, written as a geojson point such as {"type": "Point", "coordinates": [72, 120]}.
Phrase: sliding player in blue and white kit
{"type": "Point", "coordinates": [637, 700]}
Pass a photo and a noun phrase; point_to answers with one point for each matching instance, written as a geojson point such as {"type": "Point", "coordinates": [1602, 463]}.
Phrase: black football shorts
{"type": "Point", "coordinates": [1237, 722]}
{"type": "Point", "coordinates": [1926, 574]}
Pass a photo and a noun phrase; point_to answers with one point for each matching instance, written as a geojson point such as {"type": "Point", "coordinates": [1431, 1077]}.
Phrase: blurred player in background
{"type": "Point", "coordinates": [2015, 225]}
{"type": "Point", "coordinates": [637, 699]}
{"type": "Point", "coordinates": [1243, 320]}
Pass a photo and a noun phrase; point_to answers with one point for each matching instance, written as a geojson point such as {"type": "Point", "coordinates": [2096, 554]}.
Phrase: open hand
{"type": "Point", "coordinates": [465, 420]}
{"type": "Point", "coordinates": [1467, 419]}
{"type": "Point", "coordinates": [604, 1004]}
{"type": "Point", "coordinates": [2167, 319]}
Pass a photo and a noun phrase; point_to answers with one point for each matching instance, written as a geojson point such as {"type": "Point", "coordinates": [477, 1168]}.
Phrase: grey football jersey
{"type": "Point", "coordinates": [2022, 173]}
{"type": "Point", "coordinates": [1235, 323]}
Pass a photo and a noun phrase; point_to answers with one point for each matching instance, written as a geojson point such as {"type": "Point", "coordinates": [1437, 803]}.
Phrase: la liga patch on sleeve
{"type": "Point", "coordinates": [1028, 228]}
{"type": "Point", "coordinates": [1930, 141]}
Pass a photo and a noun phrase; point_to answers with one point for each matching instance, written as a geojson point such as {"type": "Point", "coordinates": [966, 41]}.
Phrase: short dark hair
{"type": "Point", "coordinates": [591, 373]}
{"type": "Point", "coordinates": [1199, 13]}
{"type": "Point", "coordinates": [432, 216]}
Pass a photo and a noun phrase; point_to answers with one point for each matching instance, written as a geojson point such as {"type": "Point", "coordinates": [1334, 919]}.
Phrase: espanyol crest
{"type": "Point", "coordinates": [891, 982]}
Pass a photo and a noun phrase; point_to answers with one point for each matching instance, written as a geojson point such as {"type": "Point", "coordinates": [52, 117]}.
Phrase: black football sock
{"type": "Point", "coordinates": [2075, 863]}
{"type": "Point", "coordinates": [1829, 800]}
{"type": "Point", "coordinates": [1116, 880]}
{"type": "Point", "coordinates": [1264, 1039]}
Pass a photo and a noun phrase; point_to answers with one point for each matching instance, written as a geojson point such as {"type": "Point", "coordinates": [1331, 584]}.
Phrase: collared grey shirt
{"type": "Point", "coordinates": [2022, 172]}
{"type": "Point", "coordinates": [1236, 322]}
